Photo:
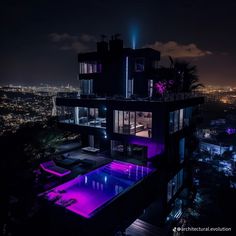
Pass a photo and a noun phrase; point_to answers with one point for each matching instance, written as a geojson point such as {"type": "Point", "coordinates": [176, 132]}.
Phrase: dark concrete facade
{"type": "Point", "coordinates": [166, 143]}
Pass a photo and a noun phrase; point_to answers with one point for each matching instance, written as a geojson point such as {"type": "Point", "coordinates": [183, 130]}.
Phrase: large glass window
{"type": "Point", "coordinates": [137, 123]}
{"type": "Point", "coordinates": [179, 119]}
{"type": "Point", "coordinates": [132, 122]}
{"type": "Point", "coordinates": [116, 122]}
{"type": "Point", "coordinates": [169, 190]}
{"type": "Point", "coordinates": [90, 67]}
{"type": "Point", "coordinates": [82, 115]}
{"type": "Point", "coordinates": [95, 117]}
{"type": "Point", "coordinates": [174, 184]}
{"type": "Point", "coordinates": [66, 114]}
{"type": "Point", "coordinates": [171, 122]}
{"type": "Point", "coordinates": [176, 120]}
{"type": "Point", "coordinates": [128, 152]}
{"type": "Point", "coordinates": [86, 86]}
{"type": "Point", "coordinates": [117, 148]}
{"type": "Point", "coordinates": [130, 87]}
{"type": "Point", "coordinates": [150, 88]}
{"type": "Point", "coordinates": [126, 126]}
{"type": "Point", "coordinates": [121, 121]}
{"type": "Point", "coordinates": [187, 116]}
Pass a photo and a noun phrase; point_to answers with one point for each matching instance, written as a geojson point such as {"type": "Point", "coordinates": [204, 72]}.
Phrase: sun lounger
{"type": "Point", "coordinates": [52, 168]}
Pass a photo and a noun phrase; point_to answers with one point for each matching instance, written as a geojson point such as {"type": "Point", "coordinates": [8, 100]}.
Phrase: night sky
{"type": "Point", "coordinates": [39, 39]}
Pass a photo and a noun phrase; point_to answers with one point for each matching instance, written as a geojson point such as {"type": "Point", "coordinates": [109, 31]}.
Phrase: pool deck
{"type": "Point", "coordinates": [86, 193]}
{"type": "Point", "coordinates": [81, 163]}
{"type": "Point", "coordinates": [85, 162]}
{"type": "Point", "coordinates": [111, 212]}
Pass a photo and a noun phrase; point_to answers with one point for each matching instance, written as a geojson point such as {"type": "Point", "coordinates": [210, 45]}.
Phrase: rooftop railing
{"type": "Point", "coordinates": [162, 98]}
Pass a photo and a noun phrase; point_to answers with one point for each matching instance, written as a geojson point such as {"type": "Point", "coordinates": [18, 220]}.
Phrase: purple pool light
{"type": "Point", "coordinates": [153, 148]}
{"type": "Point", "coordinates": [87, 193]}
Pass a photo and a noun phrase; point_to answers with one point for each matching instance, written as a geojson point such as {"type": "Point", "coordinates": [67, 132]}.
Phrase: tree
{"type": "Point", "coordinates": [180, 76]}
{"type": "Point", "coordinates": [186, 76]}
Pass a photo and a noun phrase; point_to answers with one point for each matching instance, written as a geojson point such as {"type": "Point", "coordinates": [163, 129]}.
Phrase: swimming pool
{"type": "Point", "coordinates": [85, 194]}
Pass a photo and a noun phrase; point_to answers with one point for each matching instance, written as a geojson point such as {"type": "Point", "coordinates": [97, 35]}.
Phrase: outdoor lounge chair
{"type": "Point", "coordinates": [52, 168]}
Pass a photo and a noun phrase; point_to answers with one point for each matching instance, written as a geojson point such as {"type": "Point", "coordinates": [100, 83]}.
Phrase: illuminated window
{"type": "Point", "coordinates": [150, 87]}
{"type": "Point", "coordinates": [176, 120]}
{"type": "Point", "coordinates": [174, 184]}
{"type": "Point", "coordinates": [171, 122]}
{"type": "Point", "coordinates": [87, 116]}
{"type": "Point", "coordinates": [137, 123]}
{"type": "Point", "coordinates": [86, 86]}
{"type": "Point", "coordinates": [187, 116]}
{"type": "Point", "coordinates": [66, 114]}
{"type": "Point", "coordinates": [130, 87]}
{"type": "Point", "coordinates": [90, 67]}
{"type": "Point", "coordinates": [179, 119]}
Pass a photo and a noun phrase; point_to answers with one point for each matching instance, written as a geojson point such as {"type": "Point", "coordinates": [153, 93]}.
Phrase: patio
{"type": "Point", "coordinates": [80, 161]}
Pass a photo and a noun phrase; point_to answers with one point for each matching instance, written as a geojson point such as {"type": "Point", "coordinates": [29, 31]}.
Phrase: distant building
{"type": "Point", "coordinates": [218, 122]}
{"type": "Point", "coordinates": [214, 148]}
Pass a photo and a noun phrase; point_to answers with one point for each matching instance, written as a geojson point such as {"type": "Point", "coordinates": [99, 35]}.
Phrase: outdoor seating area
{"type": "Point", "coordinates": [52, 168]}
{"type": "Point", "coordinates": [74, 162]}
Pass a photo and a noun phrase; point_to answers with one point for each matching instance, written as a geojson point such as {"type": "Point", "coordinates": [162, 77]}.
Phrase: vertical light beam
{"type": "Point", "coordinates": [133, 34]}
{"type": "Point", "coordinates": [133, 41]}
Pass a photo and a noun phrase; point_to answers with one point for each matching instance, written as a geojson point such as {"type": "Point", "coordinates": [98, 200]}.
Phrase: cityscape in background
{"type": "Point", "coordinates": [117, 118]}
{"type": "Point", "coordinates": [24, 104]}
{"type": "Point", "coordinates": [214, 155]}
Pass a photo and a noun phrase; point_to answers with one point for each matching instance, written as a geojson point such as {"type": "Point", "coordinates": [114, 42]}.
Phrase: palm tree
{"type": "Point", "coordinates": [185, 75]}
{"type": "Point", "coordinates": [180, 76]}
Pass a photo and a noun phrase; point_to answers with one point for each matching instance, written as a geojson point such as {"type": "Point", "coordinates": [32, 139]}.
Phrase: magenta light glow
{"type": "Point", "coordinates": [153, 148]}
{"type": "Point", "coordinates": [85, 194]}
{"type": "Point", "coordinates": [51, 168]}
{"type": "Point", "coordinates": [231, 131]}
{"type": "Point", "coordinates": [162, 86]}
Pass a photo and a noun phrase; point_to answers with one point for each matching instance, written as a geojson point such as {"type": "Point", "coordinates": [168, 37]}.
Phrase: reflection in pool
{"type": "Point", "coordinates": [84, 194]}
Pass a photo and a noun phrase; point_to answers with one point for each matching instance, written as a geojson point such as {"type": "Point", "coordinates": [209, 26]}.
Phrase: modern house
{"type": "Point", "coordinates": [117, 115]}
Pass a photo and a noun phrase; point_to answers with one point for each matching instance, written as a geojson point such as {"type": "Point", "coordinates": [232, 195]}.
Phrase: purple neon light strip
{"type": "Point", "coordinates": [91, 191]}
{"type": "Point", "coordinates": [54, 172]}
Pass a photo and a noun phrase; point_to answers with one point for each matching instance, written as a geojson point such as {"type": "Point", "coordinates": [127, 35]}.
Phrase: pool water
{"type": "Point", "coordinates": [85, 194]}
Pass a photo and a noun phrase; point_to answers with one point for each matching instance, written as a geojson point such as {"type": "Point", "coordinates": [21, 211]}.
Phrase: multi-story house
{"type": "Point", "coordinates": [117, 115]}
